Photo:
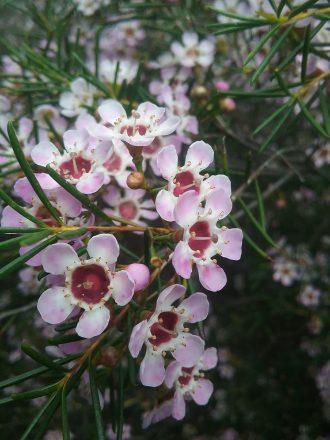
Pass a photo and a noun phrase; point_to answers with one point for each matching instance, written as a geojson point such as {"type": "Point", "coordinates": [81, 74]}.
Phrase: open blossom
{"type": "Point", "coordinates": [192, 52]}
{"type": "Point", "coordinates": [285, 271]}
{"type": "Point", "coordinates": [80, 96]}
{"type": "Point", "coordinates": [190, 382]}
{"type": "Point", "coordinates": [172, 81]}
{"type": "Point", "coordinates": [129, 205]}
{"type": "Point", "coordinates": [88, 7]}
{"type": "Point", "coordinates": [140, 129]}
{"type": "Point", "coordinates": [309, 296]}
{"type": "Point", "coordinates": [119, 165]}
{"type": "Point", "coordinates": [187, 177]}
{"type": "Point", "coordinates": [164, 332]}
{"type": "Point", "coordinates": [89, 284]}
{"type": "Point", "coordinates": [321, 156]}
{"type": "Point", "coordinates": [81, 162]}
{"type": "Point", "coordinates": [118, 71]}
{"type": "Point", "coordinates": [203, 239]}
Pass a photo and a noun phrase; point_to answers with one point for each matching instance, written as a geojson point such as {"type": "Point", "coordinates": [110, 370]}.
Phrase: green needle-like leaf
{"type": "Point", "coordinates": [96, 402]}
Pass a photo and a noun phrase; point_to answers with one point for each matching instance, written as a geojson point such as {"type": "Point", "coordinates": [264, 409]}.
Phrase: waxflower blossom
{"type": "Point", "coordinates": [88, 7]}
{"type": "Point", "coordinates": [190, 383]}
{"type": "Point", "coordinates": [187, 177]}
{"type": "Point", "coordinates": [81, 162]}
{"type": "Point", "coordinates": [80, 96]}
{"type": "Point", "coordinates": [192, 52]}
{"type": "Point", "coordinates": [89, 284]}
{"type": "Point", "coordinates": [119, 165]}
{"type": "Point", "coordinates": [129, 205]}
{"type": "Point", "coordinates": [140, 129]}
{"type": "Point", "coordinates": [321, 156]}
{"type": "Point", "coordinates": [309, 296]}
{"type": "Point", "coordinates": [202, 239]}
{"type": "Point", "coordinates": [164, 332]}
{"type": "Point", "coordinates": [118, 71]}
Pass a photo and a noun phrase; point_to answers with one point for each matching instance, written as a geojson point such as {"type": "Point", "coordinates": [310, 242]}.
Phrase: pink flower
{"type": "Point", "coordinates": [202, 239]}
{"type": "Point", "coordinates": [89, 284]}
{"type": "Point", "coordinates": [81, 163]}
{"type": "Point", "coordinates": [140, 129]}
{"type": "Point", "coordinates": [193, 52]}
{"type": "Point", "coordinates": [309, 296]}
{"type": "Point", "coordinates": [190, 382]}
{"type": "Point", "coordinates": [129, 204]}
{"type": "Point", "coordinates": [186, 178]}
{"type": "Point", "coordinates": [164, 332]}
{"type": "Point", "coordinates": [119, 165]}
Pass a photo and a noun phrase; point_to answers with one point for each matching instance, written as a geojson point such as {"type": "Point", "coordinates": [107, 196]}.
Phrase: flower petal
{"type": "Point", "coordinates": [186, 210]}
{"type": "Point", "coordinates": [218, 203]}
{"type": "Point", "coordinates": [165, 204]}
{"type": "Point", "coordinates": [93, 322]}
{"type": "Point", "coordinates": [123, 287]}
{"type": "Point", "coordinates": [152, 371]}
{"type": "Point", "coordinates": [212, 277]}
{"type": "Point", "coordinates": [172, 373]}
{"type": "Point", "coordinates": [137, 338]}
{"type": "Point", "coordinates": [202, 392]}
{"type": "Point", "coordinates": [168, 126]}
{"type": "Point", "coordinates": [111, 110]}
{"type": "Point", "coordinates": [24, 190]}
{"type": "Point", "coordinates": [188, 350]}
{"type": "Point", "coordinates": [53, 306]}
{"type": "Point", "coordinates": [181, 260]}
{"type": "Point", "coordinates": [12, 219]}
{"type": "Point", "coordinates": [140, 274]}
{"type": "Point", "coordinates": [57, 257]}
{"type": "Point", "coordinates": [220, 181]}
{"type": "Point", "coordinates": [200, 154]}
{"type": "Point", "coordinates": [44, 153]}
{"type": "Point", "coordinates": [232, 247]}
{"type": "Point", "coordinates": [179, 406]}
{"type": "Point", "coordinates": [209, 358]}
{"type": "Point", "coordinates": [196, 306]}
{"type": "Point", "coordinates": [67, 204]}
{"type": "Point", "coordinates": [167, 162]}
{"type": "Point", "coordinates": [90, 182]}
{"type": "Point", "coordinates": [105, 247]}
{"type": "Point", "coordinates": [169, 295]}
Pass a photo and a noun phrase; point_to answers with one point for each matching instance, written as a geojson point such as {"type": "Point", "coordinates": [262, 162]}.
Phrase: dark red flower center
{"type": "Point", "coordinates": [200, 238]}
{"type": "Point", "coordinates": [163, 330]}
{"type": "Point", "coordinates": [43, 214]}
{"type": "Point", "coordinates": [184, 182]}
{"type": "Point", "coordinates": [114, 163]}
{"type": "Point", "coordinates": [131, 130]}
{"type": "Point", "coordinates": [186, 376]}
{"type": "Point", "coordinates": [127, 210]}
{"type": "Point", "coordinates": [75, 167]}
{"type": "Point", "coordinates": [89, 283]}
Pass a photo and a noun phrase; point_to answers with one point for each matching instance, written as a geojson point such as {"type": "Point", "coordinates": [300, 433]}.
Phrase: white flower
{"type": "Point", "coordinates": [82, 94]}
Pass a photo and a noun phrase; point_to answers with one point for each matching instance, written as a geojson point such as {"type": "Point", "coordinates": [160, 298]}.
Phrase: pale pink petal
{"type": "Point", "coordinates": [53, 306]}
{"type": "Point", "coordinates": [181, 260]}
{"type": "Point", "coordinates": [203, 391]}
{"type": "Point", "coordinates": [93, 322]}
{"type": "Point", "coordinates": [57, 257]}
{"type": "Point", "coordinates": [46, 182]}
{"type": "Point", "coordinates": [172, 373]}
{"type": "Point", "coordinates": [84, 120]}
{"type": "Point", "coordinates": [44, 153]}
{"type": "Point", "coordinates": [75, 139]}
{"type": "Point", "coordinates": [105, 247]}
{"type": "Point", "coordinates": [140, 274]}
{"type": "Point", "coordinates": [165, 203]}
{"type": "Point", "coordinates": [167, 162]}
{"type": "Point", "coordinates": [123, 287]}
{"type": "Point", "coordinates": [137, 338]}
{"type": "Point", "coordinates": [100, 131]}
{"type": "Point", "coordinates": [24, 190]}
{"type": "Point", "coordinates": [218, 203]}
{"type": "Point", "coordinates": [12, 219]}
{"type": "Point", "coordinates": [178, 49]}
{"type": "Point", "coordinates": [209, 358]}
{"type": "Point", "coordinates": [90, 182]}
{"type": "Point", "coordinates": [196, 307]}
{"type": "Point", "coordinates": [150, 109]}
{"type": "Point", "coordinates": [112, 195]}
{"type": "Point", "coordinates": [152, 371]}
{"type": "Point", "coordinates": [169, 295]}
{"type": "Point", "coordinates": [188, 350]}
{"type": "Point", "coordinates": [212, 277]}
{"type": "Point", "coordinates": [67, 204]}
{"type": "Point", "coordinates": [103, 152]}
{"type": "Point", "coordinates": [186, 210]}
{"type": "Point", "coordinates": [148, 214]}
{"type": "Point", "coordinates": [232, 248]}
{"type": "Point", "coordinates": [200, 154]}
{"type": "Point", "coordinates": [190, 38]}
{"type": "Point", "coordinates": [179, 406]}
{"type": "Point", "coordinates": [168, 126]}
{"type": "Point", "coordinates": [79, 86]}
{"type": "Point", "coordinates": [220, 181]}
{"type": "Point", "coordinates": [111, 110]}
{"type": "Point", "coordinates": [34, 261]}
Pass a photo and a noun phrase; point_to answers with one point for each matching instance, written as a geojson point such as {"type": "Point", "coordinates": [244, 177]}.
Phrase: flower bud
{"type": "Point", "coordinates": [156, 261]}
{"type": "Point", "coordinates": [135, 180]}
{"type": "Point", "coordinates": [199, 92]}
{"type": "Point", "coordinates": [227, 105]}
{"type": "Point", "coordinates": [140, 275]}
